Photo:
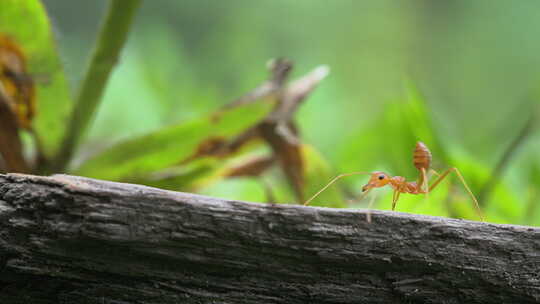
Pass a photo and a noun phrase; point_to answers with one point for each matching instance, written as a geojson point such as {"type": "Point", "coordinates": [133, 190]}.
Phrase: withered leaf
{"type": "Point", "coordinates": [17, 85]}
{"type": "Point", "coordinates": [288, 154]}
{"type": "Point", "coordinates": [279, 71]}
{"type": "Point", "coordinates": [251, 167]}
{"type": "Point", "coordinates": [214, 146]}
{"type": "Point", "coordinates": [280, 132]}
{"type": "Point", "coordinates": [16, 104]}
{"type": "Point", "coordinates": [277, 129]}
{"type": "Point", "coordinates": [10, 142]}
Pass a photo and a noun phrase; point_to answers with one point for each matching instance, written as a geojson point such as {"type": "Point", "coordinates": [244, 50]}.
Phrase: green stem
{"type": "Point", "coordinates": [111, 39]}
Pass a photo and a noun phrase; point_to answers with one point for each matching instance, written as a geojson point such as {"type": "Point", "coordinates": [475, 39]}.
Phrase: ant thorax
{"type": "Point", "coordinates": [400, 184]}
{"type": "Point", "coordinates": [396, 182]}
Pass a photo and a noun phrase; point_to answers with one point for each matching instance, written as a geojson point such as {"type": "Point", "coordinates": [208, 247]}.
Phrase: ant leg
{"type": "Point", "coordinates": [331, 182]}
{"type": "Point", "coordinates": [395, 199]}
{"type": "Point", "coordinates": [425, 184]}
{"type": "Point", "coordinates": [434, 172]}
{"type": "Point", "coordinates": [454, 169]}
{"type": "Point", "coordinates": [424, 187]}
{"type": "Point", "coordinates": [423, 180]}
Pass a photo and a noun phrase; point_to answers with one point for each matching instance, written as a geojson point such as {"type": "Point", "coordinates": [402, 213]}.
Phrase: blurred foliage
{"type": "Point", "coordinates": [169, 146]}
{"type": "Point", "coordinates": [470, 69]}
{"type": "Point", "coordinates": [27, 24]}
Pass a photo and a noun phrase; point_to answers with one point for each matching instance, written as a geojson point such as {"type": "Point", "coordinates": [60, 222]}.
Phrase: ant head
{"type": "Point", "coordinates": [378, 179]}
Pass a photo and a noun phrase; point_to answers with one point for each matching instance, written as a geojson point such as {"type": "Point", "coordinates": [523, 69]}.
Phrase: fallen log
{"type": "Point", "coordinates": [67, 239]}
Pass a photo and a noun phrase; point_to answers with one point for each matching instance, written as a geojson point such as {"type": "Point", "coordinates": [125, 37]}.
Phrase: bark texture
{"type": "Point", "coordinates": [66, 239]}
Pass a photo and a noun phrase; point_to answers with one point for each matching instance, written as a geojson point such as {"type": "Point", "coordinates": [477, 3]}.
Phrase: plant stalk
{"type": "Point", "coordinates": [112, 37]}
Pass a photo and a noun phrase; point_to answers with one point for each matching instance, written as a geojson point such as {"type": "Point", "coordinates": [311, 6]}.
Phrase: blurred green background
{"type": "Point", "coordinates": [462, 76]}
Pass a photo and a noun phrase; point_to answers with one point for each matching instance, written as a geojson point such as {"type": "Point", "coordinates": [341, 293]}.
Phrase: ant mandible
{"type": "Point", "coordinates": [422, 162]}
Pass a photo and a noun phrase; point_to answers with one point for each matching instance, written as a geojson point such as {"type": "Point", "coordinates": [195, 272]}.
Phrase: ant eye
{"type": "Point", "coordinates": [381, 176]}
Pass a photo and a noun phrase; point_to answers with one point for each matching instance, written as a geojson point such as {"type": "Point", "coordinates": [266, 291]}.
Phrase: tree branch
{"type": "Point", "coordinates": [66, 239]}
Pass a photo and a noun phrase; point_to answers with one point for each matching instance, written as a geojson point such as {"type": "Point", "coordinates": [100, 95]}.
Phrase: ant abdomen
{"type": "Point", "coordinates": [422, 156]}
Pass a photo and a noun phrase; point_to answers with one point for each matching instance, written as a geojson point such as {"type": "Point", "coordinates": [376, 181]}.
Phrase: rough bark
{"type": "Point", "coordinates": [67, 239]}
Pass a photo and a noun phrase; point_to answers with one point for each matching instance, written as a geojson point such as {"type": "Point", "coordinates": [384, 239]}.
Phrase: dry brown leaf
{"type": "Point", "coordinates": [288, 154]}
{"type": "Point", "coordinates": [280, 132]}
{"type": "Point", "coordinates": [213, 146]}
{"type": "Point", "coordinates": [10, 142]}
{"type": "Point", "coordinates": [17, 104]}
{"type": "Point", "coordinates": [16, 83]}
{"type": "Point", "coordinates": [278, 129]}
{"type": "Point", "coordinates": [251, 167]}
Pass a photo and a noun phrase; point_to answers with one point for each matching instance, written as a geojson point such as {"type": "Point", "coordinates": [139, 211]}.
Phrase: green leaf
{"type": "Point", "coordinates": [171, 145]}
{"type": "Point", "coordinates": [26, 22]}
{"type": "Point", "coordinates": [199, 173]}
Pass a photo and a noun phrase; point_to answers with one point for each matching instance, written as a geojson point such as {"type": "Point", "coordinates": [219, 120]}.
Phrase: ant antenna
{"type": "Point", "coordinates": [333, 181]}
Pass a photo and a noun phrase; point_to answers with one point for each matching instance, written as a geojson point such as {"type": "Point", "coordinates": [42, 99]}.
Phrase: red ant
{"type": "Point", "coordinates": [422, 162]}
